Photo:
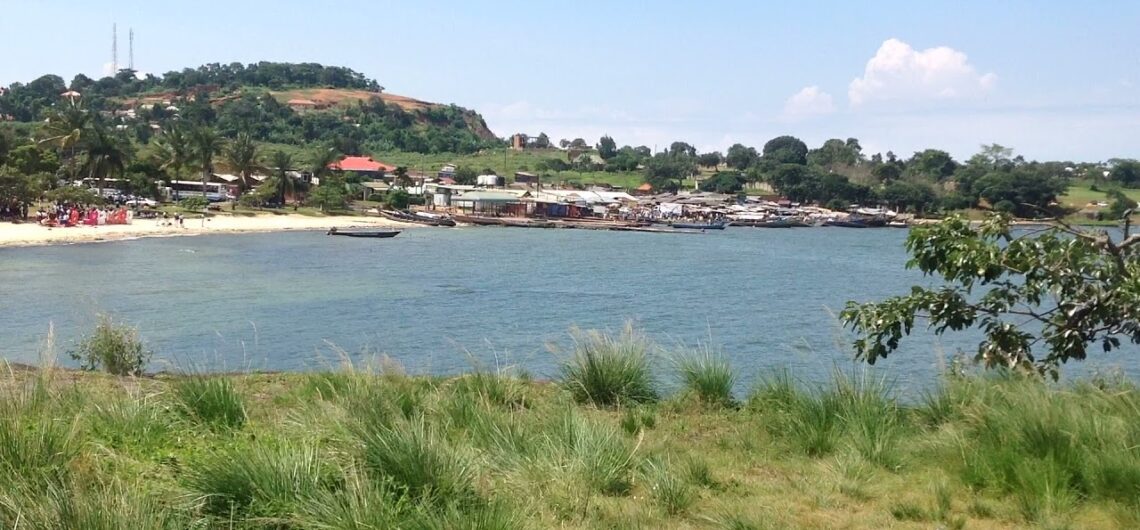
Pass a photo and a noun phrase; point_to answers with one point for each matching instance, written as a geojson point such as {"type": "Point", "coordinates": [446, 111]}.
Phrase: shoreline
{"type": "Point", "coordinates": [32, 235]}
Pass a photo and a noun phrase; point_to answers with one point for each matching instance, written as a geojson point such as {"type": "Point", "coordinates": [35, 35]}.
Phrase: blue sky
{"type": "Point", "coordinates": [1053, 80]}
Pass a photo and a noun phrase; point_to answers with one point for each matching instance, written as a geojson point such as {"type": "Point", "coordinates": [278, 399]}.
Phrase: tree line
{"type": "Point", "coordinates": [838, 174]}
{"type": "Point", "coordinates": [236, 98]}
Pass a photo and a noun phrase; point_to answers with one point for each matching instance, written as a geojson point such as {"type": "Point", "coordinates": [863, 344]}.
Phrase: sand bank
{"type": "Point", "coordinates": [32, 234]}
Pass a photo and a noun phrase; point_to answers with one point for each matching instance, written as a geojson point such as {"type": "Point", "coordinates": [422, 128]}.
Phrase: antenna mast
{"type": "Point", "coordinates": [114, 49]}
{"type": "Point", "coordinates": [131, 53]}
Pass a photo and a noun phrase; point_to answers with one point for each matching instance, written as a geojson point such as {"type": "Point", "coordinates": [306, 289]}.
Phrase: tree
{"type": "Point", "coordinates": [932, 163]}
{"type": "Point", "coordinates": [279, 180]}
{"type": "Point", "coordinates": [204, 144]}
{"type": "Point", "coordinates": [105, 156]}
{"type": "Point", "coordinates": [682, 149]}
{"type": "Point", "coordinates": [607, 147]}
{"type": "Point", "coordinates": [579, 143]}
{"type": "Point", "coordinates": [542, 142]}
{"type": "Point", "coordinates": [564, 143]}
{"type": "Point", "coordinates": [996, 155]}
{"type": "Point", "coordinates": [322, 162]}
{"type": "Point", "coordinates": [710, 160]}
{"type": "Point", "coordinates": [1125, 171]}
{"type": "Point", "coordinates": [785, 150]}
{"type": "Point", "coordinates": [241, 157]}
{"type": "Point", "coordinates": [723, 182]}
{"type": "Point", "coordinates": [175, 150]}
{"type": "Point", "coordinates": [910, 196]}
{"type": "Point", "coordinates": [396, 200]}
{"type": "Point", "coordinates": [834, 153]}
{"type": "Point", "coordinates": [1120, 206]}
{"type": "Point", "coordinates": [467, 176]}
{"type": "Point", "coordinates": [402, 179]}
{"type": "Point", "coordinates": [330, 194]}
{"type": "Point", "coordinates": [1020, 290]}
{"type": "Point", "coordinates": [1028, 193]}
{"type": "Point", "coordinates": [741, 157]}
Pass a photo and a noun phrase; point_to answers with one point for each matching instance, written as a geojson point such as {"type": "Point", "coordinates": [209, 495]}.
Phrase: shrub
{"type": "Point", "coordinates": [116, 349]}
{"type": "Point", "coordinates": [194, 204]}
{"type": "Point", "coordinates": [606, 371]}
{"type": "Point", "coordinates": [212, 401]}
{"type": "Point", "coordinates": [707, 375]}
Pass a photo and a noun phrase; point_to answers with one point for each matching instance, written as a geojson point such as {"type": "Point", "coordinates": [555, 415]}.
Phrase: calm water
{"type": "Point", "coordinates": [440, 301]}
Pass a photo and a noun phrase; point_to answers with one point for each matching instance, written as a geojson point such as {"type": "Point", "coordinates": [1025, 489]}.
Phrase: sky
{"type": "Point", "coordinates": [1053, 80]}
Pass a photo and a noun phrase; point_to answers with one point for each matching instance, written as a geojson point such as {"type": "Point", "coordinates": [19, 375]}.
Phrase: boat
{"type": "Point", "coordinates": [898, 224]}
{"type": "Point", "coordinates": [718, 225]}
{"type": "Point", "coordinates": [363, 233]}
{"type": "Point", "coordinates": [422, 218]}
{"type": "Point", "coordinates": [779, 222]}
{"type": "Point", "coordinates": [477, 220]}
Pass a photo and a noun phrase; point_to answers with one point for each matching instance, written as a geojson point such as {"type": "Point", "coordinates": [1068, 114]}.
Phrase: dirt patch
{"type": "Point", "coordinates": [331, 97]}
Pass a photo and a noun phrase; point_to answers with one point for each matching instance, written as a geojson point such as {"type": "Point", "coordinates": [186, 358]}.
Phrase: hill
{"type": "Point", "coordinates": [286, 103]}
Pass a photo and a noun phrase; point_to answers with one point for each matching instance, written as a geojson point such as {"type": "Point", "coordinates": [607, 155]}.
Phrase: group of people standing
{"type": "Point", "coordinates": [75, 215]}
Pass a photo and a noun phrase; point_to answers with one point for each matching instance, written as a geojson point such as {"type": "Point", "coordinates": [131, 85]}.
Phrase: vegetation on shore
{"type": "Point", "coordinates": [627, 437]}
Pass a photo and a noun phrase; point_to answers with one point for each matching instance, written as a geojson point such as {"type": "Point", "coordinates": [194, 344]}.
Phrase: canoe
{"type": "Point", "coordinates": [364, 233]}
{"type": "Point", "coordinates": [700, 226]}
{"type": "Point", "coordinates": [418, 218]}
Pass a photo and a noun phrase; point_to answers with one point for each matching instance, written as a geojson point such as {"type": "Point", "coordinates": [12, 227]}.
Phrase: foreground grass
{"type": "Point", "coordinates": [369, 449]}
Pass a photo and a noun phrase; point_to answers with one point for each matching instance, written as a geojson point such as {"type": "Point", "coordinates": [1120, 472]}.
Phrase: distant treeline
{"type": "Point", "coordinates": [234, 98]}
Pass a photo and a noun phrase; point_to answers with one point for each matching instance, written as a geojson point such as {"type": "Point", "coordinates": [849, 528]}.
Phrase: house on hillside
{"type": "Point", "coordinates": [523, 177]}
{"type": "Point", "coordinates": [446, 172]}
{"type": "Point", "coordinates": [300, 105]}
{"type": "Point", "coordinates": [364, 166]}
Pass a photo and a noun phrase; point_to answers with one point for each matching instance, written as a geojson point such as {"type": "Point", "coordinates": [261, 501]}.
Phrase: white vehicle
{"type": "Point", "coordinates": [142, 201]}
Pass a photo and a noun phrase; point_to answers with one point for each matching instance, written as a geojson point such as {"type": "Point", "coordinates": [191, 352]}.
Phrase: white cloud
{"type": "Point", "coordinates": [898, 72]}
{"type": "Point", "coordinates": [809, 101]}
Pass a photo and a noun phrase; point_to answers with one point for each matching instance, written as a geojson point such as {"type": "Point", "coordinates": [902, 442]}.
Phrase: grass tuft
{"type": "Point", "coordinates": [707, 375]}
{"type": "Point", "coordinates": [606, 371]}
{"type": "Point", "coordinates": [210, 400]}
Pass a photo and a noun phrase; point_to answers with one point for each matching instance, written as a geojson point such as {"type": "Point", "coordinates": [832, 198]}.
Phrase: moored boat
{"type": "Point", "coordinates": [422, 218]}
{"type": "Point", "coordinates": [717, 225]}
{"type": "Point", "coordinates": [363, 233]}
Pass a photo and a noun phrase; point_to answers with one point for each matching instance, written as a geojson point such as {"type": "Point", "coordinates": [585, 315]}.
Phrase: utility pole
{"type": "Point", "coordinates": [114, 49]}
{"type": "Point", "coordinates": [131, 49]}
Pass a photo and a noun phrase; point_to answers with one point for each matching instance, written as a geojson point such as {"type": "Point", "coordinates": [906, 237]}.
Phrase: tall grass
{"type": "Point", "coordinates": [415, 459]}
{"type": "Point", "coordinates": [707, 375]}
{"type": "Point", "coordinates": [854, 409]}
{"type": "Point", "coordinates": [211, 400]}
{"type": "Point", "coordinates": [263, 479]}
{"type": "Point", "coordinates": [605, 370]}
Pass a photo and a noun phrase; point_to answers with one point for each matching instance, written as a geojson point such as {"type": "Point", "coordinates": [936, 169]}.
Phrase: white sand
{"type": "Point", "coordinates": [32, 234]}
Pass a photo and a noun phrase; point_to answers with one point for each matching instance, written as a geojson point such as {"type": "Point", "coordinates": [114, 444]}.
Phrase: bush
{"type": "Point", "coordinates": [212, 401]}
{"type": "Point", "coordinates": [116, 349]}
{"type": "Point", "coordinates": [194, 204]}
{"type": "Point", "coordinates": [606, 371]}
{"type": "Point", "coordinates": [838, 205]}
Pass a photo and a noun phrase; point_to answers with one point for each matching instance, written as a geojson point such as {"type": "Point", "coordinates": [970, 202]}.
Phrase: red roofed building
{"type": "Point", "coordinates": [363, 165]}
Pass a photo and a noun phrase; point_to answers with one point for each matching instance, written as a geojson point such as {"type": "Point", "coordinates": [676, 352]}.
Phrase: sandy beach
{"type": "Point", "coordinates": [26, 234]}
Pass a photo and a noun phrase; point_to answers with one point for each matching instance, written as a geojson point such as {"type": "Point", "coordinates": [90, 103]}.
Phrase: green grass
{"type": "Point", "coordinates": [360, 448]}
{"type": "Point", "coordinates": [608, 370]}
{"type": "Point", "coordinates": [707, 375]}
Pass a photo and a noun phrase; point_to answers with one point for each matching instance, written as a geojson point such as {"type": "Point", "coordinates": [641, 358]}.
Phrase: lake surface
{"type": "Point", "coordinates": [445, 300]}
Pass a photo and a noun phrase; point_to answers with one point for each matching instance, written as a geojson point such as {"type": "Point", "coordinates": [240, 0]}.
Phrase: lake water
{"type": "Point", "coordinates": [444, 300]}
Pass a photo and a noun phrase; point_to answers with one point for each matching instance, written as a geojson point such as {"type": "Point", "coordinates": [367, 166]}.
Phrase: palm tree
{"type": "Point", "coordinates": [67, 129]}
{"type": "Point", "coordinates": [280, 161]}
{"type": "Point", "coordinates": [402, 179]}
{"type": "Point", "coordinates": [175, 150]}
{"type": "Point", "coordinates": [106, 156]}
{"type": "Point", "coordinates": [323, 160]}
{"type": "Point", "coordinates": [241, 158]}
{"type": "Point", "coordinates": [204, 144]}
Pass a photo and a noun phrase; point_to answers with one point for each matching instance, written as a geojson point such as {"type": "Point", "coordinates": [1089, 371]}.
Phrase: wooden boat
{"type": "Point", "coordinates": [718, 225]}
{"type": "Point", "coordinates": [363, 233]}
{"type": "Point", "coordinates": [405, 216]}
{"type": "Point", "coordinates": [782, 222]}
{"type": "Point", "coordinates": [477, 220]}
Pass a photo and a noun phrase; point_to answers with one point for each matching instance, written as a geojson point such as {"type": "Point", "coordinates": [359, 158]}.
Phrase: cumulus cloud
{"type": "Point", "coordinates": [898, 72]}
{"type": "Point", "coordinates": [809, 101]}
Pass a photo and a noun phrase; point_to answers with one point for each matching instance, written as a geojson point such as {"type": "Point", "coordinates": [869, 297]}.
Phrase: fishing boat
{"type": "Point", "coordinates": [477, 220]}
{"type": "Point", "coordinates": [422, 218]}
{"type": "Point", "coordinates": [777, 222]}
{"type": "Point", "coordinates": [718, 225]}
{"type": "Point", "coordinates": [363, 233]}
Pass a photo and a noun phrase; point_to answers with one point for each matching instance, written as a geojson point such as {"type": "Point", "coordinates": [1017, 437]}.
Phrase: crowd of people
{"type": "Point", "coordinates": [66, 214]}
